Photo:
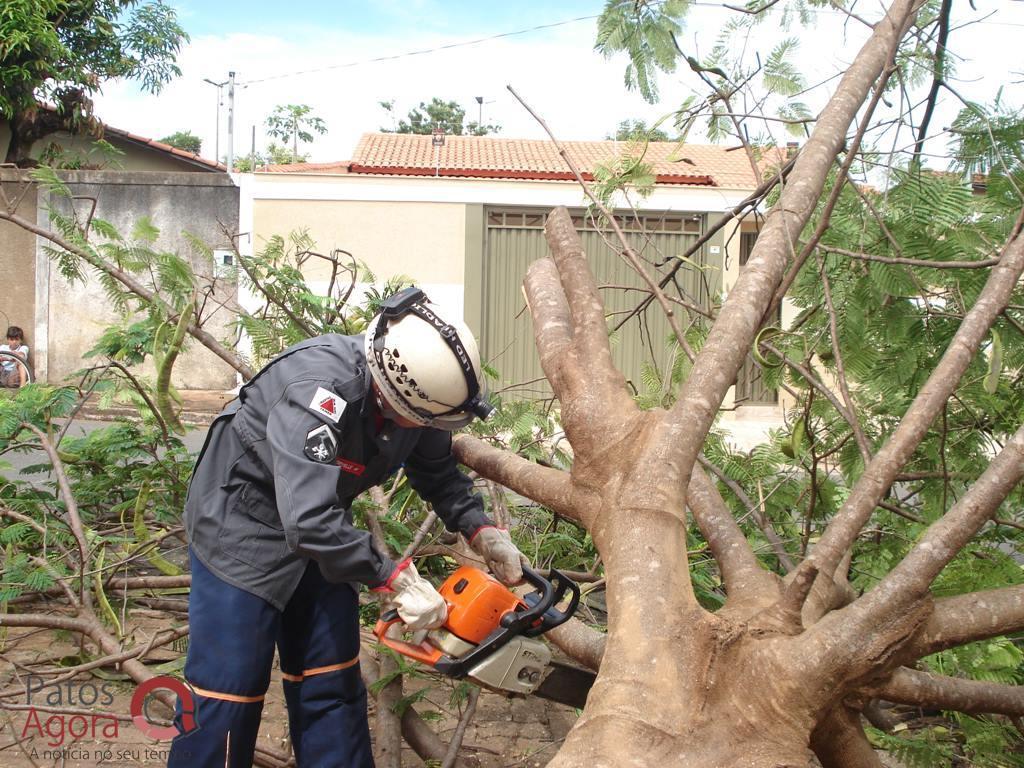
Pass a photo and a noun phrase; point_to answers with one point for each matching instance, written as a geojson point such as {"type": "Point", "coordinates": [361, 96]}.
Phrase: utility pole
{"type": "Point", "coordinates": [480, 110]}
{"type": "Point", "coordinates": [216, 139]}
{"type": "Point", "coordinates": [231, 121]}
{"type": "Point", "coordinates": [438, 142]}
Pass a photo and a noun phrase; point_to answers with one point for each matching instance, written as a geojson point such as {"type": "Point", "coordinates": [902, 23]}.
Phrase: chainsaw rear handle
{"type": "Point", "coordinates": [424, 653]}
{"type": "Point", "coordinates": [541, 616]}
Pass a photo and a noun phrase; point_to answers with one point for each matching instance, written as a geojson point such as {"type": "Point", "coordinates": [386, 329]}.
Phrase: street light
{"type": "Point", "coordinates": [216, 140]}
{"type": "Point", "coordinates": [480, 113]}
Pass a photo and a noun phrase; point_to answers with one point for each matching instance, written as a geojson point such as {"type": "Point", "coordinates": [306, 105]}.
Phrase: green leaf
{"type": "Point", "coordinates": [780, 75]}
{"type": "Point", "coordinates": [145, 231]}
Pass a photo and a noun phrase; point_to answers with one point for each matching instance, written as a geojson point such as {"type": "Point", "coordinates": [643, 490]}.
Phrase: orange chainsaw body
{"type": "Point", "coordinates": [490, 633]}
{"type": "Point", "coordinates": [476, 603]}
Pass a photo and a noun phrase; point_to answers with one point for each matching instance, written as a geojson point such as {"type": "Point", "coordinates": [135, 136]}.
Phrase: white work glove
{"type": "Point", "coordinates": [504, 559]}
{"type": "Point", "coordinates": [418, 604]}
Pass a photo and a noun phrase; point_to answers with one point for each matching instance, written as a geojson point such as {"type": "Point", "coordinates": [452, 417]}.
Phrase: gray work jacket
{"type": "Point", "coordinates": [274, 483]}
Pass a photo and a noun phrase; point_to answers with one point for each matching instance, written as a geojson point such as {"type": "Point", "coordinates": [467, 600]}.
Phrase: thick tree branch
{"type": "Point", "coordinates": [552, 325]}
{"type": "Point", "coordinates": [755, 509]}
{"type": "Point", "coordinates": [839, 741]}
{"type": "Point", "coordinates": [878, 476]}
{"type": "Point", "coordinates": [550, 487]}
{"type": "Point", "coordinates": [742, 574]}
{"type": "Point", "coordinates": [47, 620]}
{"type": "Point", "coordinates": [944, 539]}
{"type": "Point", "coordinates": [967, 618]}
{"type": "Point", "coordinates": [923, 689]}
{"type": "Point", "coordinates": [833, 198]}
{"type": "Point", "coordinates": [730, 337]}
{"type": "Point", "coordinates": [897, 608]}
{"type": "Point", "coordinates": [590, 332]}
{"type": "Point", "coordinates": [579, 642]}
{"type": "Point", "coordinates": [119, 583]}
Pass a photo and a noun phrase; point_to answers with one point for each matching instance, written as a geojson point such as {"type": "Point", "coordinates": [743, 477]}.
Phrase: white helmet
{"type": "Point", "coordinates": [426, 366]}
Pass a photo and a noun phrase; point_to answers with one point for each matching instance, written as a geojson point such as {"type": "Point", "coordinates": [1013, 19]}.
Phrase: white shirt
{"type": "Point", "coordinates": [8, 365]}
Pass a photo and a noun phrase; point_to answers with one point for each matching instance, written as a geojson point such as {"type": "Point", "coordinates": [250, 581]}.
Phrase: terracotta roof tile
{"type": "Point", "coordinates": [491, 157]}
{"type": "Point", "coordinates": [159, 146]}
{"type": "Point", "coordinates": [153, 144]}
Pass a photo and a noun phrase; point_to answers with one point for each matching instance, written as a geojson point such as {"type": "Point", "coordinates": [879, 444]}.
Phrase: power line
{"type": "Point", "coordinates": [477, 41]}
{"type": "Point", "coordinates": [462, 44]}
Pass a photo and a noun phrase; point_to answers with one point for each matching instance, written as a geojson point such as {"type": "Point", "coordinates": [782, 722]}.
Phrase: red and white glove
{"type": "Point", "coordinates": [504, 559]}
{"type": "Point", "coordinates": [419, 605]}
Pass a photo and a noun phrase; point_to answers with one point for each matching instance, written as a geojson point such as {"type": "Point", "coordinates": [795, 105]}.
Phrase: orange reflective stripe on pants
{"type": "Point", "coordinates": [320, 670]}
{"type": "Point", "coordinates": [232, 697]}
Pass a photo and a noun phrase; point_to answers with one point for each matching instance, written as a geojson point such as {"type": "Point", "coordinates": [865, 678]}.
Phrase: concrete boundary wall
{"type": "Point", "coordinates": [67, 317]}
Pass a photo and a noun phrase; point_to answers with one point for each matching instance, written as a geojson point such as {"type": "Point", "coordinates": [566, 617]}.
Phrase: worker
{"type": "Point", "coordinates": [275, 554]}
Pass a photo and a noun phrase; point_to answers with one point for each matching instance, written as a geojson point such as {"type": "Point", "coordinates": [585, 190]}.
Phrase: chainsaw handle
{"type": "Point", "coordinates": [560, 585]}
{"type": "Point", "coordinates": [542, 615]}
{"type": "Point", "coordinates": [424, 653]}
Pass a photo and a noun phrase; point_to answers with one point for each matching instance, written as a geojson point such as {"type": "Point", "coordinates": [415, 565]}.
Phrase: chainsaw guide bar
{"type": "Point", "coordinates": [490, 636]}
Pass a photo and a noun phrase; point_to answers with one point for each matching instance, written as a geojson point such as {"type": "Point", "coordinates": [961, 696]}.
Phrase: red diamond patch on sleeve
{"type": "Point", "coordinates": [328, 404]}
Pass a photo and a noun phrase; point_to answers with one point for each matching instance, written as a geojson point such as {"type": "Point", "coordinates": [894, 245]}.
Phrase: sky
{"type": "Point", "coordinates": [320, 53]}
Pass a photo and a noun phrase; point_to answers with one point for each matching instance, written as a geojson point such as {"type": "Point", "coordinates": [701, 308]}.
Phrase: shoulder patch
{"type": "Point", "coordinates": [321, 445]}
{"type": "Point", "coordinates": [328, 404]}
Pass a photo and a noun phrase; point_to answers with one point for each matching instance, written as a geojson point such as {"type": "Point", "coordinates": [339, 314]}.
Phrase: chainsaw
{"type": "Point", "coordinates": [491, 634]}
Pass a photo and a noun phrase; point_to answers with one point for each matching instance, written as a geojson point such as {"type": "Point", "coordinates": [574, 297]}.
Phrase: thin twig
{"type": "Point", "coordinates": [71, 506]}
{"type": "Point", "coordinates": [844, 388]}
{"type": "Point", "coordinates": [460, 730]}
{"type": "Point", "coordinates": [980, 264]}
{"type": "Point", "coordinates": [421, 534]}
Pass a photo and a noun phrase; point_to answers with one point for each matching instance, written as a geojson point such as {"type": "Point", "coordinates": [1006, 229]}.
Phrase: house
{"type": "Point", "coordinates": [178, 191]}
{"type": "Point", "coordinates": [464, 217]}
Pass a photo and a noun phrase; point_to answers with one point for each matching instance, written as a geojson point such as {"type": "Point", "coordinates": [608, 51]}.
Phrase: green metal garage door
{"type": "Point", "coordinates": [514, 238]}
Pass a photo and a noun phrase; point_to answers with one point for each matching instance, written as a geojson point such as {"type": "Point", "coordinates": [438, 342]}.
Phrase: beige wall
{"type": "Point", "coordinates": [425, 241]}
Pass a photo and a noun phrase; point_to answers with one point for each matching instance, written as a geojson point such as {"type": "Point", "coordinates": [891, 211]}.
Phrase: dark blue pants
{"type": "Point", "coordinates": [230, 653]}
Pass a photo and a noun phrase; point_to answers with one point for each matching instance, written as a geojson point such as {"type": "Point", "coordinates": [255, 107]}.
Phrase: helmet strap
{"type": "Point", "coordinates": [411, 301]}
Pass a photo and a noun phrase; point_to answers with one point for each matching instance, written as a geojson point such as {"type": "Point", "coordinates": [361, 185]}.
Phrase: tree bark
{"type": "Point", "coordinates": [839, 741]}
{"type": "Point", "coordinates": [968, 618]}
{"type": "Point", "coordinates": [27, 127]}
{"type": "Point", "coordinates": [923, 689]}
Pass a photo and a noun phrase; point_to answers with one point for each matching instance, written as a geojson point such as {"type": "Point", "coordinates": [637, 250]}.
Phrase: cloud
{"type": "Point", "coordinates": [578, 92]}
